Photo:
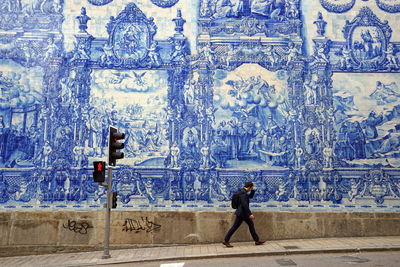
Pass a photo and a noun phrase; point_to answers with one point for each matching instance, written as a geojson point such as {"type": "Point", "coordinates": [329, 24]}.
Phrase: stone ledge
{"type": "Point", "coordinates": [45, 231]}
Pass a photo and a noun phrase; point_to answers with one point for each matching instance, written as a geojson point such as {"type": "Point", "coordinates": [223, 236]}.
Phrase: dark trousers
{"type": "Point", "coordinates": [237, 223]}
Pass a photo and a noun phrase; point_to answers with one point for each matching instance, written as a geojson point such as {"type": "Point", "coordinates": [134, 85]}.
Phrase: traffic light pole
{"type": "Point", "coordinates": [106, 253]}
{"type": "Point", "coordinates": [113, 155]}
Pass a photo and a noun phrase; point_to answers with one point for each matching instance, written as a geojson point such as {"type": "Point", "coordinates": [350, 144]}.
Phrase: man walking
{"type": "Point", "coordinates": [243, 213]}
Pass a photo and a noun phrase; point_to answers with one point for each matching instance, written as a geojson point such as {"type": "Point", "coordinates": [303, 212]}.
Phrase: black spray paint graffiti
{"type": "Point", "coordinates": [81, 228]}
{"type": "Point", "coordinates": [140, 225]}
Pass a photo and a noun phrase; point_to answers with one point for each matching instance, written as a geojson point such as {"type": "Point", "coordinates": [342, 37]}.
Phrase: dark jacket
{"type": "Point", "coordinates": [244, 203]}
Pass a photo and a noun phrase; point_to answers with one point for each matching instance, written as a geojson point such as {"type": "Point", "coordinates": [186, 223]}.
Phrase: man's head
{"type": "Point", "coordinates": [248, 186]}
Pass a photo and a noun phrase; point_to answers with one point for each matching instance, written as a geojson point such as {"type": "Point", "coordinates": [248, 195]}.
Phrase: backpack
{"type": "Point", "coordinates": [235, 202]}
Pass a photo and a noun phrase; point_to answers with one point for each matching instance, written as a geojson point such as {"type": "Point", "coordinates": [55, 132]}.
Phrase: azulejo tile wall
{"type": "Point", "coordinates": [301, 98]}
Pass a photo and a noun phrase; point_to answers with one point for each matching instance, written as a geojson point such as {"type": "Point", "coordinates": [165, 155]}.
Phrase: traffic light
{"type": "Point", "coordinates": [113, 145]}
{"type": "Point", "coordinates": [99, 174]}
{"type": "Point", "coordinates": [114, 200]}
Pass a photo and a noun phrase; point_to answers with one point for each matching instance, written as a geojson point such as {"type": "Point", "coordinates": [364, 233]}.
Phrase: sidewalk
{"type": "Point", "coordinates": [276, 247]}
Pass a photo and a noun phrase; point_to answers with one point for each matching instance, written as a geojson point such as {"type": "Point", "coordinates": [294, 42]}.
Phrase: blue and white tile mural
{"type": "Point", "coordinates": [301, 98]}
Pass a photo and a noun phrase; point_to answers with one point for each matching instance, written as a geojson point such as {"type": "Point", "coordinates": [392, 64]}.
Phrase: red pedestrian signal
{"type": "Point", "coordinates": [99, 174]}
{"type": "Point", "coordinates": [100, 166]}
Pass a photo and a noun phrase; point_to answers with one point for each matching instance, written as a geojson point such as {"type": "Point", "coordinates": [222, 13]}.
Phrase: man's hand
{"type": "Point", "coordinates": [251, 217]}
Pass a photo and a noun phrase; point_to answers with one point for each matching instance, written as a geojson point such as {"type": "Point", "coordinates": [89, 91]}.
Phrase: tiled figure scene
{"type": "Point", "coordinates": [300, 97]}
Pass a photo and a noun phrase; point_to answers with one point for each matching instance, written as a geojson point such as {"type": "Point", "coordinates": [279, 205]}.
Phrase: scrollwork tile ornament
{"type": "Point", "coordinates": [338, 6]}
{"type": "Point", "coordinates": [367, 39]}
{"type": "Point", "coordinates": [99, 2]}
{"type": "Point", "coordinates": [292, 9]}
{"type": "Point", "coordinates": [342, 6]}
{"type": "Point", "coordinates": [131, 40]}
{"type": "Point", "coordinates": [378, 184]}
{"type": "Point", "coordinates": [205, 8]}
{"type": "Point", "coordinates": [390, 6]}
{"type": "Point", "coordinates": [334, 187]}
{"type": "Point", "coordinates": [164, 3]}
{"type": "Point", "coordinates": [127, 183]}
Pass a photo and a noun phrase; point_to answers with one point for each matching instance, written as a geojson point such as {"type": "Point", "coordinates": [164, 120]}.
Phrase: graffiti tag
{"type": "Point", "coordinates": [143, 224]}
{"type": "Point", "coordinates": [81, 228]}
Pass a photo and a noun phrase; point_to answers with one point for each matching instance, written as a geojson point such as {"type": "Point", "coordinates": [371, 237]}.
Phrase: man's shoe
{"type": "Point", "coordinates": [259, 243]}
{"type": "Point", "coordinates": [227, 244]}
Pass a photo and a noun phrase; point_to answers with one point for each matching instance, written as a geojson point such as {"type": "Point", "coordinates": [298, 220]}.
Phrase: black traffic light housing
{"type": "Point", "coordinates": [99, 173]}
{"type": "Point", "coordinates": [113, 145]}
{"type": "Point", "coordinates": [114, 200]}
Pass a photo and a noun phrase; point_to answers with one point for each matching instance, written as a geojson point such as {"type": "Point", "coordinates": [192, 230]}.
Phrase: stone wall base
{"type": "Point", "coordinates": [36, 232]}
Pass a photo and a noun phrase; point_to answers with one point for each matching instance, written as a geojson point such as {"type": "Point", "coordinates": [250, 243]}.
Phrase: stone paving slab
{"type": "Point", "coordinates": [243, 249]}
